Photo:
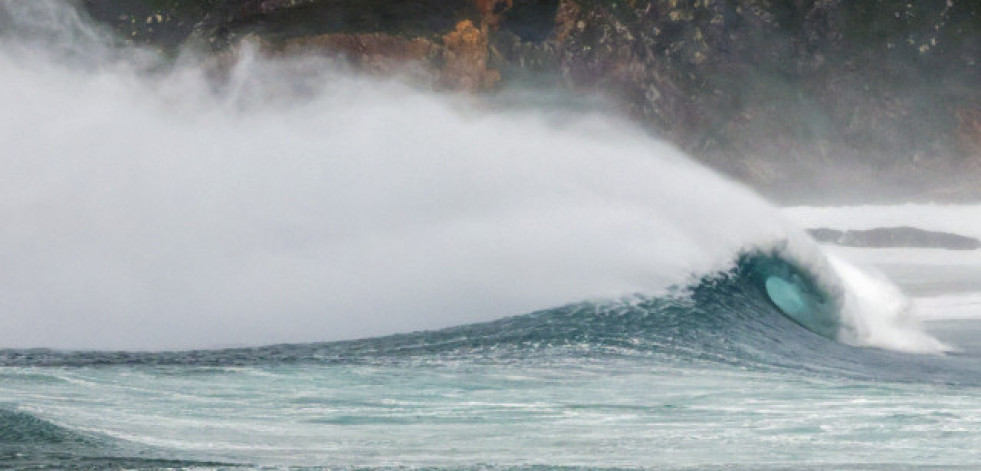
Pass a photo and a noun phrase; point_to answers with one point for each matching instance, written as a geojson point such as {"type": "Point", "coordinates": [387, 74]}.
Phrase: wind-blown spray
{"type": "Point", "coordinates": [146, 206]}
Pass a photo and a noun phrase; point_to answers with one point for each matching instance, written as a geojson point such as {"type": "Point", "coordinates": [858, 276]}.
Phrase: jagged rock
{"type": "Point", "coordinates": [903, 236]}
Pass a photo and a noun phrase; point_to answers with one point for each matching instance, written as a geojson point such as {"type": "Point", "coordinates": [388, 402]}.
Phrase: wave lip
{"type": "Point", "coordinates": [837, 299]}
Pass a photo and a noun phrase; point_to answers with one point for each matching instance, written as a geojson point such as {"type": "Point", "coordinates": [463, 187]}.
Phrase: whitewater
{"type": "Point", "coordinates": [270, 262]}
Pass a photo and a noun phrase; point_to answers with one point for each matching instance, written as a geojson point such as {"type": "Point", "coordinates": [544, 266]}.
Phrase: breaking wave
{"type": "Point", "coordinates": [155, 203]}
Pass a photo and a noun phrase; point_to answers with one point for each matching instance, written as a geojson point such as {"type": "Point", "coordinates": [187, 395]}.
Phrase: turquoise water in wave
{"type": "Point", "coordinates": [711, 376]}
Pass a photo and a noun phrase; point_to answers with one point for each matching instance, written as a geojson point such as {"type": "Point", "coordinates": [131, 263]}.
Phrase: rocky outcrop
{"type": "Point", "coordinates": [887, 237]}
{"type": "Point", "coordinates": [791, 95]}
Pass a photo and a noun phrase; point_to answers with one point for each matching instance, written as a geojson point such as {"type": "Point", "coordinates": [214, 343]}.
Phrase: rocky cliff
{"type": "Point", "coordinates": [796, 97]}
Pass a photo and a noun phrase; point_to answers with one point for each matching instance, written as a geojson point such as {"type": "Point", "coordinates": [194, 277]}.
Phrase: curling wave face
{"type": "Point", "coordinates": [730, 317]}
{"type": "Point", "coordinates": [149, 205]}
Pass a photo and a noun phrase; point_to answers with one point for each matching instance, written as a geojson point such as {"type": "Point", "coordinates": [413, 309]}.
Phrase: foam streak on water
{"type": "Point", "coordinates": [610, 414]}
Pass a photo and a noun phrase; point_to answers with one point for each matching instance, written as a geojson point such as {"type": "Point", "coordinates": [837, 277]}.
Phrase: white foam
{"type": "Point", "coordinates": [876, 313]}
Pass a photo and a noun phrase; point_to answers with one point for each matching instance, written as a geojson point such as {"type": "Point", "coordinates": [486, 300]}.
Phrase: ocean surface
{"type": "Point", "coordinates": [277, 263]}
{"type": "Point", "coordinates": [714, 375]}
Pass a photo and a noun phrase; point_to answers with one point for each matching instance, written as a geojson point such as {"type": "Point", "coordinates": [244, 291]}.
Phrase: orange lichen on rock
{"type": "Point", "coordinates": [465, 59]}
{"type": "Point", "coordinates": [459, 60]}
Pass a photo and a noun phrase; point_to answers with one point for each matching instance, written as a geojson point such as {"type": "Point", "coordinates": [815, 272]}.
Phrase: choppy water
{"type": "Point", "coordinates": [157, 208]}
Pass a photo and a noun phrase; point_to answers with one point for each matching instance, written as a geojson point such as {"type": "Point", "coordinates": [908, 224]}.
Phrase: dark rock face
{"type": "Point", "coordinates": [904, 236]}
{"type": "Point", "coordinates": [169, 22]}
{"type": "Point", "coordinates": [794, 95]}
{"type": "Point", "coordinates": [767, 90]}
